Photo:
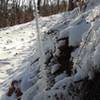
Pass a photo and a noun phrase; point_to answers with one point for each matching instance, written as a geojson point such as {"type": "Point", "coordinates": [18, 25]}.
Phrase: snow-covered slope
{"type": "Point", "coordinates": [17, 48]}
{"type": "Point", "coordinates": [19, 58]}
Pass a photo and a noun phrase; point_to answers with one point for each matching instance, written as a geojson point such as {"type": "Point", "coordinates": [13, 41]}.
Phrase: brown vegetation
{"type": "Point", "coordinates": [90, 89]}
{"type": "Point", "coordinates": [65, 56]}
{"type": "Point", "coordinates": [12, 13]}
{"type": "Point", "coordinates": [17, 13]}
{"type": "Point", "coordinates": [47, 10]}
{"type": "Point", "coordinates": [14, 88]}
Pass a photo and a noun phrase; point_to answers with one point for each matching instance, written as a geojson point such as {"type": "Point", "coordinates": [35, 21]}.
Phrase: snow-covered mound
{"type": "Point", "coordinates": [66, 37]}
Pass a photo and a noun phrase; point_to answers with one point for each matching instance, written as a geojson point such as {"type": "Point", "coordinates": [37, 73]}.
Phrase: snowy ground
{"type": "Point", "coordinates": [17, 45]}
{"type": "Point", "coordinates": [19, 54]}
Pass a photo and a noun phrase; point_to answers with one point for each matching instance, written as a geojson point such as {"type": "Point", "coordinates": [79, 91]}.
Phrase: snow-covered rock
{"type": "Point", "coordinates": [55, 68]}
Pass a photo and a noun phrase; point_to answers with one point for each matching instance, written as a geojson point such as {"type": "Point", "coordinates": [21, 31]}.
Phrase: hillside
{"type": "Point", "coordinates": [65, 67]}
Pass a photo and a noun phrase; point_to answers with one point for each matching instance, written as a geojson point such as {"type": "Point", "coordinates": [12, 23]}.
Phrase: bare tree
{"type": "Point", "coordinates": [38, 4]}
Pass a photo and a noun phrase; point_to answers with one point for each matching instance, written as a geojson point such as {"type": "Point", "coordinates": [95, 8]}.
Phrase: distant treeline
{"type": "Point", "coordinates": [14, 12]}
{"type": "Point", "coordinates": [49, 7]}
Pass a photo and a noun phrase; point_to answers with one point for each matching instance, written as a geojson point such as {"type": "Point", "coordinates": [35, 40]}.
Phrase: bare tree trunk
{"type": "Point", "coordinates": [38, 4]}
{"type": "Point", "coordinates": [58, 4]}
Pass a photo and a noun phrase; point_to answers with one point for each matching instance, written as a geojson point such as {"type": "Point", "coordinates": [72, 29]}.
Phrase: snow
{"type": "Point", "coordinates": [89, 56]}
{"type": "Point", "coordinates": [61, 43]}
{"type": "Point", "coordinates": [55, 68]}
{"type": "Point", "coordinates": [60, 77]}
{"type": "Point", "coordinates": [57, 92]}
{"type": "Point", "coordinates": [75, 31]}
{"type": "Point", "coordinates": [19, 54]}
{"type": "Point", "coordinates": [31, 92]}
{"type": "Point", "coordinates": [92, 3]}
{"type": "Point", "coordinates": [97, 56]}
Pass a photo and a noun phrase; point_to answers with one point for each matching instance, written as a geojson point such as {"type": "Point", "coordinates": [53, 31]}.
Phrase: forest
{"type": "Point", "coordinates": [14, 12]}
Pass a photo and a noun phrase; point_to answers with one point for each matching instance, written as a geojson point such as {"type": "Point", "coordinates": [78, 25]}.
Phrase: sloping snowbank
{"type": "Point", "coordinates": [83, 31]}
